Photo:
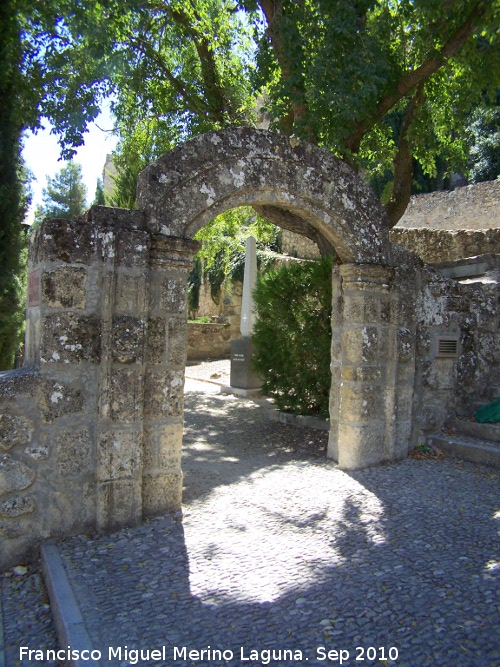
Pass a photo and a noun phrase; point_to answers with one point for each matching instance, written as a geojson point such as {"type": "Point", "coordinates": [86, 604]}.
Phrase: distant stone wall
{"type": "Point", "coordinates": [437, 245]}
{"type": "Point", "coordinates": [470, 207]}
{"type": "Point", "coordinates": [208, 340]}
{"type": "Point", "coordinates": [296, 245]}
{"type": "Point", "coordinates": [227, 309]}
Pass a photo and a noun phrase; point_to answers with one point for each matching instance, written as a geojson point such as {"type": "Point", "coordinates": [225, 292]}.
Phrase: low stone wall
{"type": "Point", "coordinates": [435, 246]}
{"type": "Point", "coordinates": [296, 245]}
{"type": "Point", "coordinates": [208, 341]}
{"type": "Point", "coordinates": [470, 207]}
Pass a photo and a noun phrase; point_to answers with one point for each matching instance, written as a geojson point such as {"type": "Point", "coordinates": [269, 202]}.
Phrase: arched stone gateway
{"type": "Point", "coordinates": [92, 427]}
{"type": "Point", "coordinates": [197, 181]}
{"type": "Point", "coordinates": [190, 185]}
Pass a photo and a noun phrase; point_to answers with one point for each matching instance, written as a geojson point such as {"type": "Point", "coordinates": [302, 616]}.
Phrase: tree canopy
{"type": "Point", "coordinates": [386, 85]}
{"type": "Point", "coordinates": [65, 194]}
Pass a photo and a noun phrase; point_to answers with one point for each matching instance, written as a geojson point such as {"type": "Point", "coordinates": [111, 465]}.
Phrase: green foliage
{"type": "Point", "coordinates": [14, 192]}
{"type": "Point", "coordinates": [139, 145]}
{"type": "Point", "coordinates": [484, 132]}
{"type": "Point", "coordinates": [370, 80]}
{"type": "Point", "coordinates": [292, 336]}
{"type": "Point", "coordinates": [64, 196]}
{"type": "Point", "coordinates": [222, 256]}
{"type": "Point", "coordinates": [99, 199]}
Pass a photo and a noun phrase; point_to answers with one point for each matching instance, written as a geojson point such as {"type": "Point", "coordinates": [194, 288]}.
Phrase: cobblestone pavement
{"type": "Point", "coordinates": [280, 550]}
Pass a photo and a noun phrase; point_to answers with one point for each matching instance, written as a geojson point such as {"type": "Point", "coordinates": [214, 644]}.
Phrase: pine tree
{"type": "Point", "coordinates": [64, 196]}
{"type": "Point", "coordinates": [99, 199]}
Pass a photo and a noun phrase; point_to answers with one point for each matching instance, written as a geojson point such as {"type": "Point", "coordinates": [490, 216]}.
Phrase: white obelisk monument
{"type": "Point", "coordinates": [243, 376]}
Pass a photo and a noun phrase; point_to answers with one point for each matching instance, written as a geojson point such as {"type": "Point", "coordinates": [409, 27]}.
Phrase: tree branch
{"type": "Point", "coordinates": [403, 164]}
{"type": "Point", "coordinates": [217, 103]}
{"type": "Point", "coordinates": [420, 75]}
{"type": "Point", "coordinates": [297, 107]}
{"type": "Point", "coordinates": [196, 103]}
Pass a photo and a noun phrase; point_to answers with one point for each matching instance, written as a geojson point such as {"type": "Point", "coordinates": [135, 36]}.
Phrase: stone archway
{"type": "Point", "coordinates": [192, 184]}
{"type": "Point", "coordinates": [92, 426]}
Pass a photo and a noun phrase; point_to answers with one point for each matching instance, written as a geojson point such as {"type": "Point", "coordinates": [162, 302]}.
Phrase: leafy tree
{"type": "Point", "coordinates": [484, 158]}
{"type": "Point", "coordinates": [14, 193]}
{"type": "Point", "coordinates": [383, 85]}
{"type": "Point", "coordinates": [222, 255]}
{"type": "Point", "coordinates": [64, 196]}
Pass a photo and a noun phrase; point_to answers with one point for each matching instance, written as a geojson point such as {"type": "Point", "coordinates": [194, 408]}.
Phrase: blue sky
{"type": "Point", "coordinates": [41, 153]}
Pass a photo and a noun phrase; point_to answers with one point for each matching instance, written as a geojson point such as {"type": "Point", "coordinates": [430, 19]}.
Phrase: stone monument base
{"type": "Point", "coordinates": [243, 375]}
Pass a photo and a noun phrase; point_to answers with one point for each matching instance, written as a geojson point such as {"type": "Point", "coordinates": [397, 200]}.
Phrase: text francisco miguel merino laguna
{"type": "Point", "coordinates": [162, 653]}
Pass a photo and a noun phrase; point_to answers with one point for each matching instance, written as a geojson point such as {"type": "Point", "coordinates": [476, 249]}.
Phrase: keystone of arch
{"type": "Point", "coordinates": [190, 185]}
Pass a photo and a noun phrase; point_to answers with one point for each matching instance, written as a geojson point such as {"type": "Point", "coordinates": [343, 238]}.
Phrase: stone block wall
{"type": "Point", "coordinates": [228, 306]}
{"type": "Point", "coordinates": [208, 340]}
{"type": "Point", "coordinates": [296, 245]}
{"type": "Point", "coordinates": [441, 245]}
{"type": "Point", "coordinates": [448, 386]}
{"type": "Point", "coordinates": [91, 428]}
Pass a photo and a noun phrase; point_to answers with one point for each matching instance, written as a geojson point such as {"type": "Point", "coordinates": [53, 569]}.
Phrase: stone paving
{"type": "Point", "coordinates": [278, 550]}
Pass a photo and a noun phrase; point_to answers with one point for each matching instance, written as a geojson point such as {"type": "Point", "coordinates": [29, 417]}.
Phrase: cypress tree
{"type": "Point", "coordinates": [11, 190]}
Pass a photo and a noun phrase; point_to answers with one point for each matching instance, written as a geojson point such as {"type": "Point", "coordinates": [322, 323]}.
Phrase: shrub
{"type": "Point", "coordinates": [292, 336]}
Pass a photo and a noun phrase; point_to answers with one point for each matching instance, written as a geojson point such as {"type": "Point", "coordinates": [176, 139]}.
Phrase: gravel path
{"type": "Point", "coordinates": [280, 550]}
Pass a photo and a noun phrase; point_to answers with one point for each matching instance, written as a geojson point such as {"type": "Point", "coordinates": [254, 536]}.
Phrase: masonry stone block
{"type": "Point", "coordinates": [361, 403]}
{"type": "Point", "coordinates": [14, 475]}
{"type": "Point", "coordinates": [362, 344]}
{"type": "Point", "coordinates": [162, 448]}
{"type": "Point", "coordinates": [119, 503]}
{"type": "Point", "coordinates": [131, 293]}
{"type": "Point", "coordinates": [404, 403]}
{"type": "Point", "coordinates": [373, 375]}
{"type": "Point", "coordinates": [361, 307]}
{"type": "Point", "coordinates": [18, 506]}
{"type": "Point", "coordinates": [70, 242]}
{"type": "Point", "coordinates": [128, 339]}
{"type": "Point", "coordinates": [119, 454]}
{"type": "Point", "coordinates": [156, 340]}
{"type": "Point", "coordinates": [177, 341]}
{"type": "Point", "coordinates": [57, 399]}
{"type": "Point", "coordinates": [162, 493]}
{"type": "Point", "coordinates": [14, 430]}
{"type": "Point", "coordinates": [126, 398]}
{"type": "Point", "coordinates": [361, 445]}
{"type": "Point", "coordinates": [405, 343]}
{"type": "Point", "coordinates": [439, 373]}
{"type": "Point", "coordinates": [70, 338]}
{"type": "Point", "coordinates": [173, 293]}
{"type": "Point", "coordinates": [403, 442]}
{"type": "Point", "coordinates": [132, 248]}
{"type": "Point", "coordinates": [64, 287]}
{"type": "Point", "coordinates": [164, 391]}
{"type": "Point", "coordinates": [74, 453]}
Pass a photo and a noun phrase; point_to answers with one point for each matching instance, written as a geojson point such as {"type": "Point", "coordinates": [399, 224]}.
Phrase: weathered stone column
{"type": "Point", "coordinates": [122, 277]}
{"type": "Point", "coordinates": [368, 355]}
{"type": "Point", "coordinates": [170, 264]}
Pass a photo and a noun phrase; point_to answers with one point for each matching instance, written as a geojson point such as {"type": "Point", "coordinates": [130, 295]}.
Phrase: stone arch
{"type": "Point", "coordinates": [214, 172]}
{"type": "Point", "coordinates": [94, 424]}
{"type": "Point", "coordinates": [190, 185]}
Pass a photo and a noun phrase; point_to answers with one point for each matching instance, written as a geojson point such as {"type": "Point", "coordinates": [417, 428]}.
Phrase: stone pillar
{"type": "Point", "coordinates": [170, 264]}
{"type": "Point", "coordinates": [123, 281]}
{"type": "Point", "coordinates": [367, 352]}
